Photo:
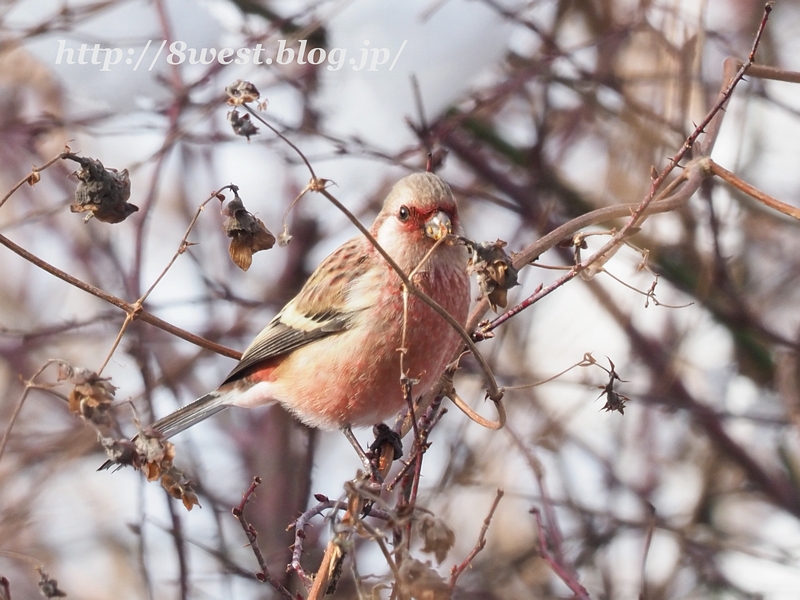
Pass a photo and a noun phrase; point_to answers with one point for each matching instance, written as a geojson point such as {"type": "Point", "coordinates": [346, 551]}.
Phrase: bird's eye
{"type": "Point", "coordinates": [403, 213]}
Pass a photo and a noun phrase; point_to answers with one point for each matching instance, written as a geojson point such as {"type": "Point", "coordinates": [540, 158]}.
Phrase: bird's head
{"type": "Point", "coordinates": [419, 210]}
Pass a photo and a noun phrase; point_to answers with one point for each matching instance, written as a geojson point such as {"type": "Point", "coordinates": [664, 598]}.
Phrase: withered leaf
{"type": "Point", "coordinates": [615, 402]}
{"type": "Point", "coordinates": [420, 581]}
{"type": "Point", "coordinates": [154, 455]}
{"type": "Point", "coordinates": [437, 536]}
{"type": "Point", "coordinates": [179, 487]}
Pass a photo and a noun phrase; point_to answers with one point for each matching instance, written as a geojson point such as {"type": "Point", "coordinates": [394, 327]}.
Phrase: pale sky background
{"type": "Point", "coordinates": [451, 47]}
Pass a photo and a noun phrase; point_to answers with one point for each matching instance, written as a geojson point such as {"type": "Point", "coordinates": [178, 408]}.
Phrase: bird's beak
{"type": "Point", "coordinates": [438, 226]}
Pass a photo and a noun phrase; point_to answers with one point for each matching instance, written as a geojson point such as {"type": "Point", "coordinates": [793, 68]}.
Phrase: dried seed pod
{"type": "Point", "coordinates": [103, 193]}
{"type": "Point", "coordinates": [494, 270]}
{"type": "Point", "coordinates": [240, 92]}
{"type": "Point", "coordinates": [248, 234]}
{"type": "Point", "coordinates": [241, 124]}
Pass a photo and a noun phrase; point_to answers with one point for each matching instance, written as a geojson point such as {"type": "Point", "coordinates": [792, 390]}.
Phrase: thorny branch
{"type": "Point", "coordinates": [264, 575]}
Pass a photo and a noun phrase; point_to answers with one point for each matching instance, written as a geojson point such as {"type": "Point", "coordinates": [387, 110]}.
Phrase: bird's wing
{"type": "Point", "coordinates": [322, 307]}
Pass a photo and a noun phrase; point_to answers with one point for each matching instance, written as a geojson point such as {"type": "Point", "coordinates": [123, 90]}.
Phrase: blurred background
{"type": "Point", "coordinates": [539, 112]}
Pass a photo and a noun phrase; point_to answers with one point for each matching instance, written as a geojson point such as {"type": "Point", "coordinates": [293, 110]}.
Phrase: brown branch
{"type": "Point", "coordinates": [333, 553]}
{"type": "Point", "coordinates": [180, 547]}
{"type": "Point", "coordinates": [773, 73]}
{"type": "Point", "coordinates": [284, 138]}
{"type": "Point", "coordinates": [129, 308]}
{"type": "Point", "coordinates": [754, 192]}
{"type": "Point", "coordinates": [300, 525]}
{"type": "Point", "coordinates": [690, 178]}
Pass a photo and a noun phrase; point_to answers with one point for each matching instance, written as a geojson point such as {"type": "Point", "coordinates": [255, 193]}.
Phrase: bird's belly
{"type": "Point", "coordinates": [359, 383]}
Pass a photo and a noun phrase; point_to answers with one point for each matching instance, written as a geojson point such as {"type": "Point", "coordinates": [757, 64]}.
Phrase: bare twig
{"type": "Point", "coordinates": [563, 573]}
{"type": "Point", "coordinates": [754, 192]}
{"type": "Point", "coordinates": [32, 177]}
{"type": "Point", "coordinates": [180, 547]}
{"type": "Point", "coordinates": [651, 525]}
{"type": "Point", "coordinates": [300, 526]}
{"type": "Point", "coordinates": [136, 307]}
{"type": "Point", "coordinates": [30, 384]}
{"type": "Point", "coordinates": [264, 575]}
{"type": "Point", "coordinates": [284, 138]}
{"type": "Point", "coordinates": [457, 570]}
{"type": "Point", "coordinates": [140, 313]}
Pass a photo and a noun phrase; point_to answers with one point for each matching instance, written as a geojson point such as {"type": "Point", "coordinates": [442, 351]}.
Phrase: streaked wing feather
{"type": "Point", "coordinates": [281, 339]}
{"type": "Point", "coordinates": [320, 309]}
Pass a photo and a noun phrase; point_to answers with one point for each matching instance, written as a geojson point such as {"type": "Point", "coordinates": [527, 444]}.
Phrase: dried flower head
{"type": "Point", "coordinates": [92, 395]}
{"type": "Point", "coordinates": [49, 587]}
{"type": "Point", "coordinates": [241, 91]}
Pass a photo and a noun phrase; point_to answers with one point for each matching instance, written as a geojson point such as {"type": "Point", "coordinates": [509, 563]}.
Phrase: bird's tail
{"type": "Point", "coordinates": [191, 414]}
{"type": "Point", "coordinates": [185, 417]}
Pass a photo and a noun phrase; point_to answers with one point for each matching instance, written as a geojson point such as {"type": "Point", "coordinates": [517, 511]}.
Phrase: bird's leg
{"type": "Point", "coordinates": [386, 448]}
{"type": "Point", "coordinates": [365, 460]}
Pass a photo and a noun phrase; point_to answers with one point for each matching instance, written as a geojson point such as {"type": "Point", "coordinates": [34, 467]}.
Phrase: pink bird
{"type": "Point", "coordinates": [332, 355]}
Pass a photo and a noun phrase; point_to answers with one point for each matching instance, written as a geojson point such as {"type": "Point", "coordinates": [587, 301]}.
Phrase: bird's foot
{"type": "Point", "coordinates": [386, 448]}
{"type": "Point", "coordinates": [386, 438]}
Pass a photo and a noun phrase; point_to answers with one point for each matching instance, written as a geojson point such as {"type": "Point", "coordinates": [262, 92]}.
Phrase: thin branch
{"type": "Point", "coordinates": [753, 192]}
{"type": "Point", "coordinates": [482, 421]}
{"type": "Point", "coordinates": [32, 177]}
{"type": "Point", "coordinates": [180, 547]}
{"type": "Point", "coordinates": [651, 525]}
{"type": "Point", "coordinates": [264, 575]}
{"type": "Point", "coordinates": [773, 73]}
{"type": "Point", "coordinates": [141, 314]}
{"type": "Point", "coordinates": [284, 138]}
{"type": "Point", "coordinates": [29, 385]}
{"type": "Point", "coordinates": [691, 178]}
{"type": "Point", "coordinates": [563, 573]}
{"type": "Point", "coordinates": [182, 246]}
{"type": "Point", "coordinates": [457, 570]}
{"type": "Point", "coordinates": [300, 525]}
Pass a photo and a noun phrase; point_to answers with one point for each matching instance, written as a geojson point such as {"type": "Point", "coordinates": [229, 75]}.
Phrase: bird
{"type": "Point", "coordinates": [332, 355]}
